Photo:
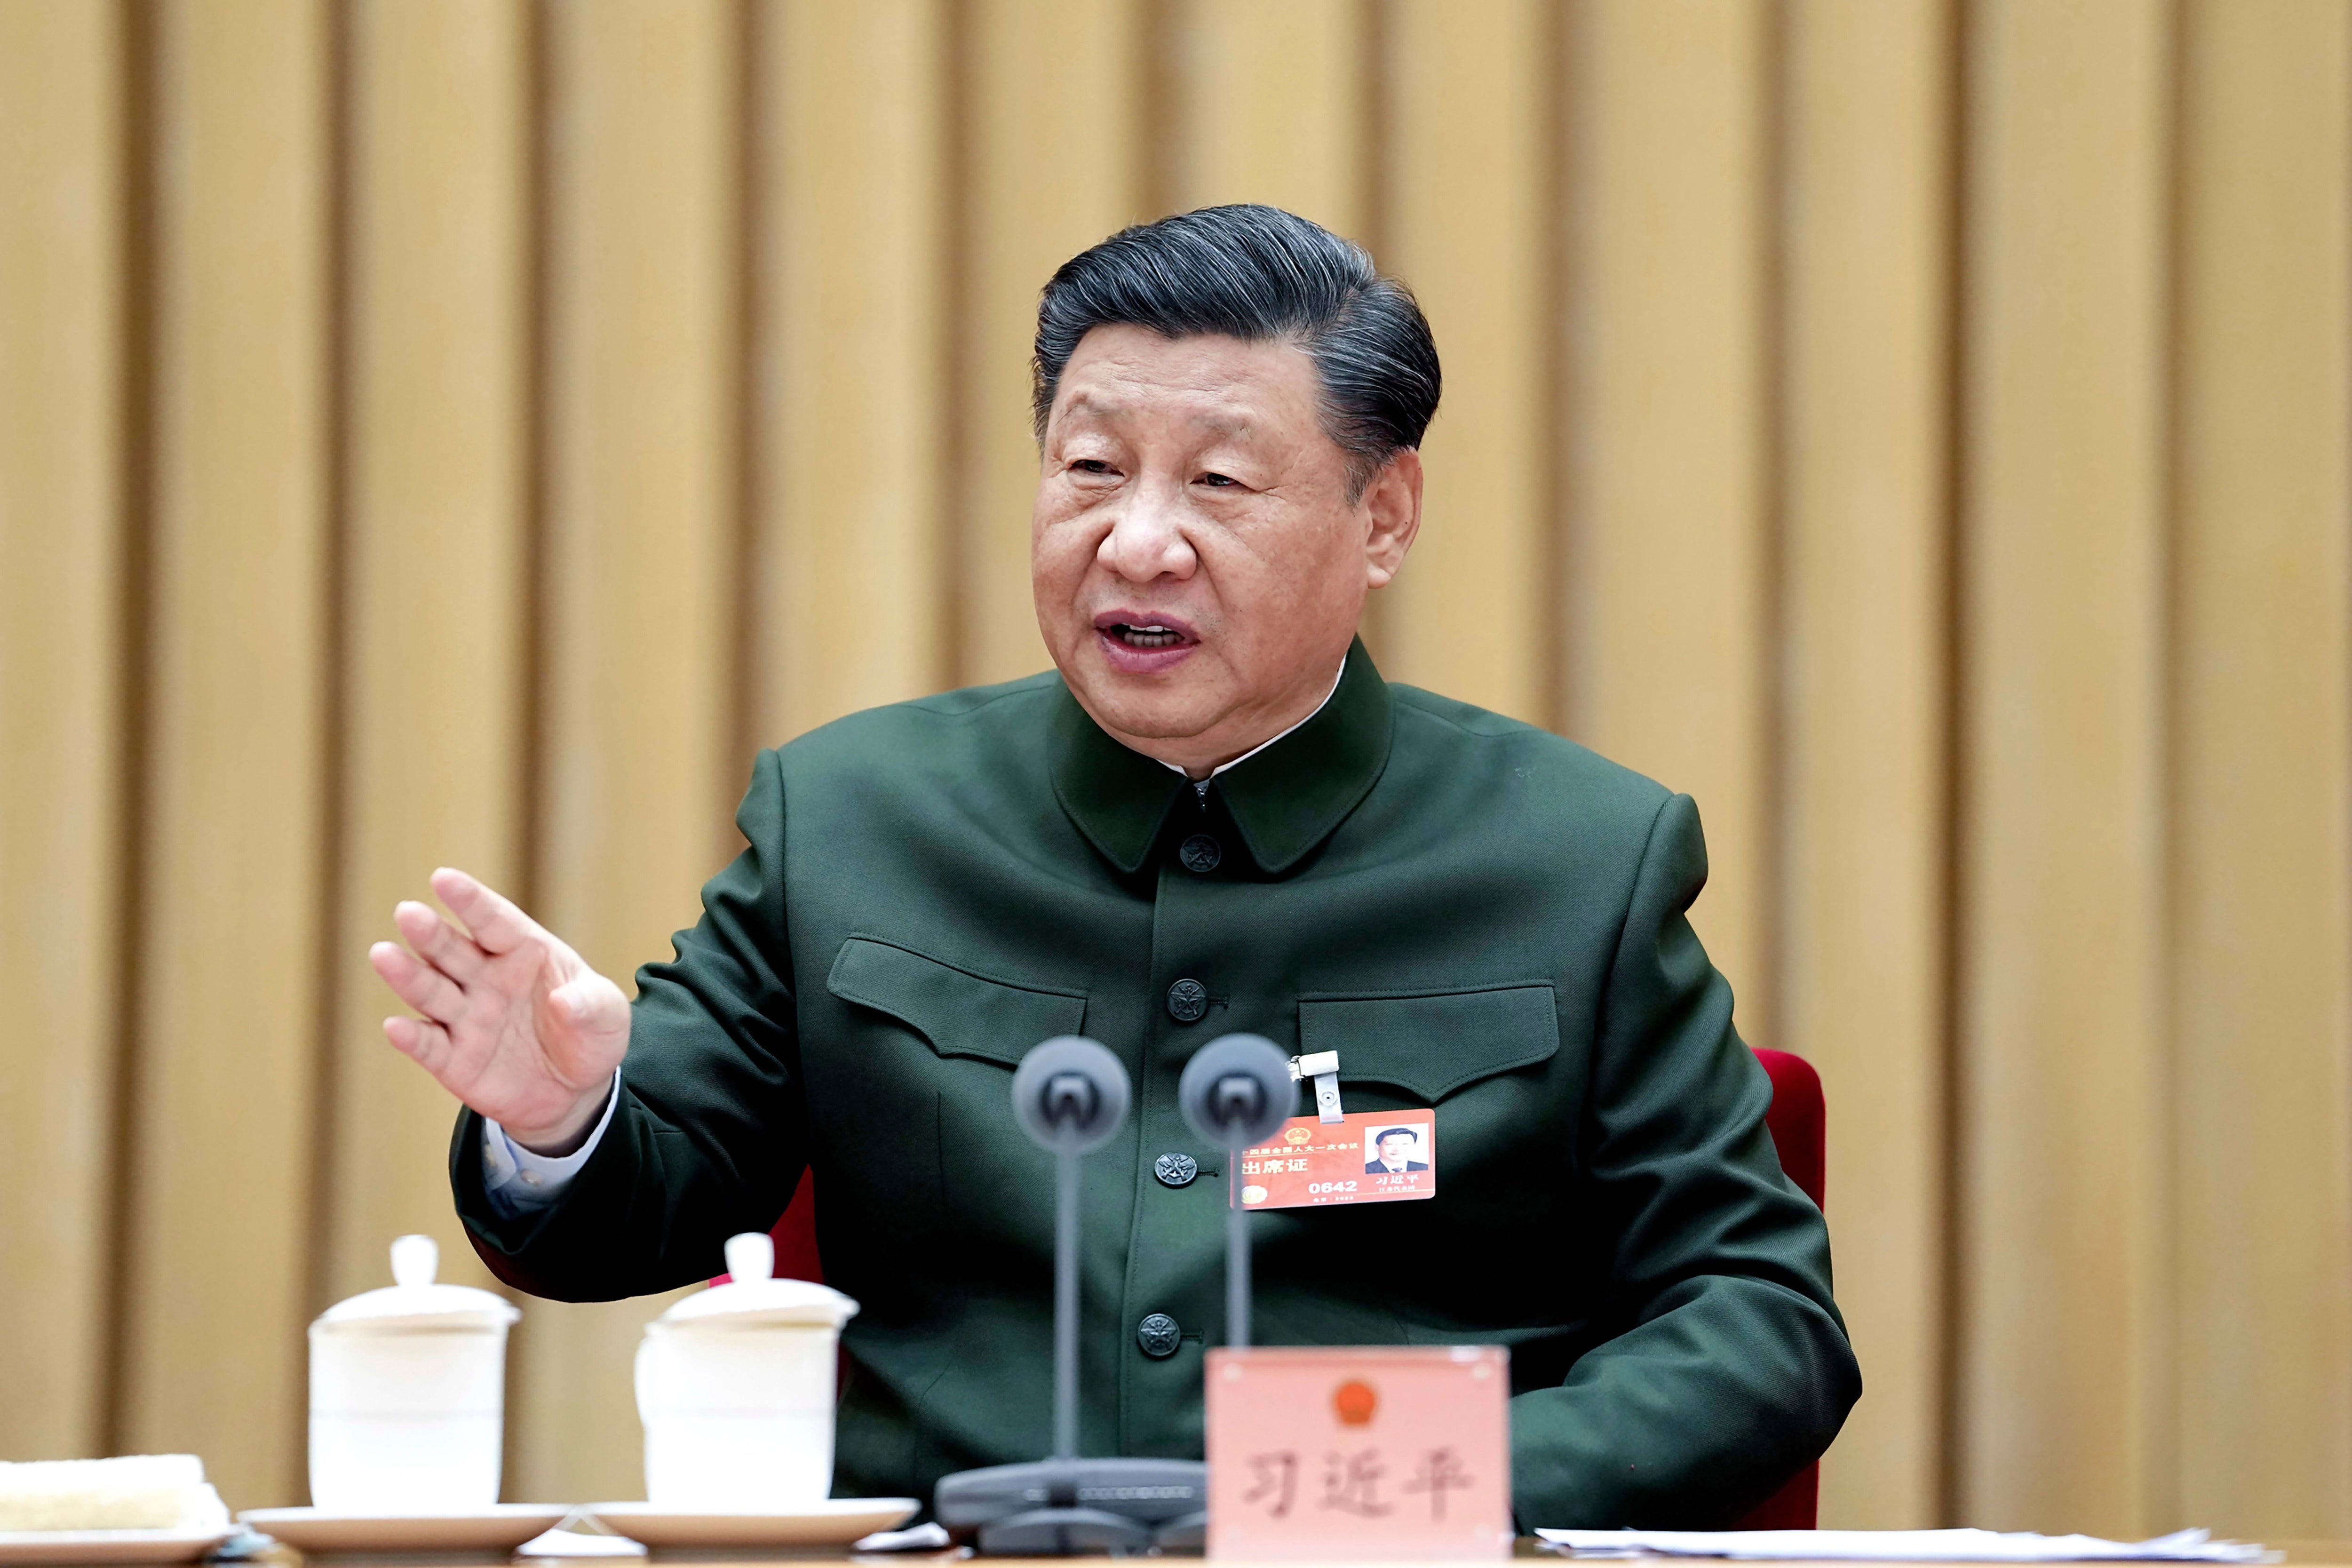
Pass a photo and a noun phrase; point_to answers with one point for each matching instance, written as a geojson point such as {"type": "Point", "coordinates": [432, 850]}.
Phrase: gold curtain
{"type": "Point", "coordinates": [460, 431]}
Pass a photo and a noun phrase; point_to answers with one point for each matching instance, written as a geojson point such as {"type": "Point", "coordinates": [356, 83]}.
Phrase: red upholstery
{"type": "Point", "coordinates": [795, 1235]}
{"type": "Point", "coordinates": [1799, 1132]}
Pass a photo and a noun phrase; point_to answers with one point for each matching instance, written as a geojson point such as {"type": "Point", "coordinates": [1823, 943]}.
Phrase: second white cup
{"type": "Point", "coordinates": [735, 1387]}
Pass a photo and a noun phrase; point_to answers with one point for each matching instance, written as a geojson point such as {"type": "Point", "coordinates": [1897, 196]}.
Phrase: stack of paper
{"type": "Point", "coordinates": [1900, 1546]}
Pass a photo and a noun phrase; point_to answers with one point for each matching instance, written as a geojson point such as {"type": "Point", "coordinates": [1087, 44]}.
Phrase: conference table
{"type": "Point", "coordinates": [2314, 1553]}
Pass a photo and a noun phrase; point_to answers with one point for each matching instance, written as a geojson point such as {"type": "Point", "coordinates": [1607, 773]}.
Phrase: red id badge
{"type": "Point", "coordinates": [1365, 1157]}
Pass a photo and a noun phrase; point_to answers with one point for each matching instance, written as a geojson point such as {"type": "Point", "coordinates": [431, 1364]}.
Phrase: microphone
{"type": "Point", "coordinates": [1070, 1095]}
{"type": "Point", "coordinates": [1237, 1091]}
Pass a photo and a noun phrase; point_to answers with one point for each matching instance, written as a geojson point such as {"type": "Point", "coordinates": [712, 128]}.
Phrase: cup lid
{"type": "Point", "coordinates": [754, 1295]}
{"type": "Point", "coordinates": [413, 1298]}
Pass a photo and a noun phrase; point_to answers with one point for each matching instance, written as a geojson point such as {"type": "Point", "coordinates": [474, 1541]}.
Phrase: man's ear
{"type": "Point", "coordinates": [1393, 501]}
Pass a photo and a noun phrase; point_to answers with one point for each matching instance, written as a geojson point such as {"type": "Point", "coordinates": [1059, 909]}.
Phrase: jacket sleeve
{"type": "Point", "coordinates": [1727, 1367]}
{"type": "Point", "coordinates": [708, 1137]}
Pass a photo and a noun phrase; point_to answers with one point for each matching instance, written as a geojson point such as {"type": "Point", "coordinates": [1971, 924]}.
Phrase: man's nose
{"type": "Point", "coordinates": [1146, 541]}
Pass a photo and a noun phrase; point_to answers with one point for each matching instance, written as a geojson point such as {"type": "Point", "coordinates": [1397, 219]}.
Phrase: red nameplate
{"type": "Point", "coordinates": [1373, 1454]}
{"type": "Point", "coordinates": [1365, 1157]}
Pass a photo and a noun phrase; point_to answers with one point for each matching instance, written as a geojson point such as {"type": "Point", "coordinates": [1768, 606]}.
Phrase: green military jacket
{"type": "Point", "coordinates": [1478, 915]}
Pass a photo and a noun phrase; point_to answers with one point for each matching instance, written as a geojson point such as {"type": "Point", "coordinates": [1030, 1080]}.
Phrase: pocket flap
{"type": "Point", "coordinates": [1433, 1043]}
{"type": "Point", "coordinates": [959, 1014]}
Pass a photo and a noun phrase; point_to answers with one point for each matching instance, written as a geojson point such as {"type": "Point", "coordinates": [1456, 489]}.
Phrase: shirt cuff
{"type": "Point", "coordinates": [519, 1181]}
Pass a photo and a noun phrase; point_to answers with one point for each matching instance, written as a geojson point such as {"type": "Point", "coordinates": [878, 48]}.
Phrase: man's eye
{"type": "Point", "coordinates": [1091, 465]}
{"type": "Point", "coordinates": [1220, 479]}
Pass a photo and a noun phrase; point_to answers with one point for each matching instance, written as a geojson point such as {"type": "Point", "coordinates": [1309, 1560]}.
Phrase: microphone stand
{"type": "Point", "coordinates": [1066, 1307]}
{"type": "Point", "coordinates": [1237, 1256]}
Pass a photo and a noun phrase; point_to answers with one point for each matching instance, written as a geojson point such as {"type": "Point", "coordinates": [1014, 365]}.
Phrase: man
{"type": "Point", "coordinates": [1212, 816]}
{"type": "Point", "coordinates": [1392, 1150]}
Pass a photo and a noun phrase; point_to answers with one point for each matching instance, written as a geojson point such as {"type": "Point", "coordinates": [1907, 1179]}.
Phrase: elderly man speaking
{"type": "Point", "coordinates": [1213, 815]}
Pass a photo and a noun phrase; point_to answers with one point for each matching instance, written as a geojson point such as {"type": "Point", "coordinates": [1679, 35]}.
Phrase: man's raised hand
{"type": "Point", "coordinates": [514, 1024]}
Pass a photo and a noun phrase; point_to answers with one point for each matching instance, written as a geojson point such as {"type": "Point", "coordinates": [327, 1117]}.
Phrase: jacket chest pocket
{"type": "Point", "coordinates": [1432, 1044]}
{"type": "Point", "coordinates": [1501, 1128]}
{"type": "Point", "coordinates": [956, 1012]}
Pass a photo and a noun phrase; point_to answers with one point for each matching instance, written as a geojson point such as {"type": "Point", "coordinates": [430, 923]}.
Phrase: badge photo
{"type": "Point", "coordinates": [1395, 1148]}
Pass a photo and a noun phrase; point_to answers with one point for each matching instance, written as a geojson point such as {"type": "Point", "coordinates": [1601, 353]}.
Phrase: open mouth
{"type": "Point", "coordinates": [1137, 642]}
{"type": "Point", "coordinates": [1149, 635]}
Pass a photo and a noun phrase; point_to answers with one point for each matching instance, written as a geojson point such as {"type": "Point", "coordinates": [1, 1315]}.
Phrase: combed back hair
{"type": "Point", "coordinates": [1263, 275]}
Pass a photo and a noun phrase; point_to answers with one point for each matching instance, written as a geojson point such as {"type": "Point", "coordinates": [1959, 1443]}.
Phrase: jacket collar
{"type": "Point", "coordinates": [1284, 800]}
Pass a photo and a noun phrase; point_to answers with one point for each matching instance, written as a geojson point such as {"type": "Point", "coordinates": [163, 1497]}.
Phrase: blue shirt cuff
{"type": "Point", "coordinates": [517, 1180]}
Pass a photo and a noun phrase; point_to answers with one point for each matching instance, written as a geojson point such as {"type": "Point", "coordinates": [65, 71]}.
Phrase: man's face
{"type": "Point", "coordinates": [1394, 1148]}
{"type": "Point", "coordinates": [1198, 566]}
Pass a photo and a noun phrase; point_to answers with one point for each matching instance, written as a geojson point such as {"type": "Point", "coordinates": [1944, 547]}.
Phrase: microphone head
{"type": "Point", "coordinates": [1236, 1090]}
{"type": "Point", "coordinates": [1070, 1094]}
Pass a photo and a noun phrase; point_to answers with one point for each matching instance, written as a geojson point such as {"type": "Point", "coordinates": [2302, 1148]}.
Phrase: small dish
{"type": "Point", "coordinates": [319, 1532]}
{"type": "Point", "coordinates": [31, 1546]}
{"type": "Point", "coordinates": [836, 1521]}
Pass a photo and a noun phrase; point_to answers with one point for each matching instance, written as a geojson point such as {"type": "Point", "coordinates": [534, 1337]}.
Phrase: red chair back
{"type": "Point", "coordinates": [1797, 1121]}
{"type": "Point", "coordinates": [1798, 1124]}
{"type": "Point", "coordinates": [795, 1235]}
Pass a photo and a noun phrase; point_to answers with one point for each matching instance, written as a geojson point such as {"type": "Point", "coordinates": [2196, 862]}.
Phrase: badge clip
{"type": "Point", "coordinates": [1323, 1067]}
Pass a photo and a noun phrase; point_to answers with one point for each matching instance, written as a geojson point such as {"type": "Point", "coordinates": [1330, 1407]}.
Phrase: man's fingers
{"type": "Point", "coordinates": [438, 943]}
{"type": "Point", "coordinates": [493, 919]}
{"type": "Point", "coordinates": [417, 983]}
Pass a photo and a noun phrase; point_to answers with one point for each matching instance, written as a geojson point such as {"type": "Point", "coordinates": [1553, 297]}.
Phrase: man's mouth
{"type": "Point", "coordinates": [1144, 633]}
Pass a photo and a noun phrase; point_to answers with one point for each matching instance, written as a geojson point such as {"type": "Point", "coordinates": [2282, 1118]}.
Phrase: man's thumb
{"type": "Point", "coordinates": [591, 1003]}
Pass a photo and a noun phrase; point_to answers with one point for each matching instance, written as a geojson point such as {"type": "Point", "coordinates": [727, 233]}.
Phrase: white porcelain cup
{"type": "Point", "coordinates": [408, 1394]}
{"type": "Point", "coordinates": [735, 1387]}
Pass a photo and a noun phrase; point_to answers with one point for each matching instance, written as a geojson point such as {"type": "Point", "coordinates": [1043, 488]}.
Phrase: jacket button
{"type": "Point", "coordinates": [1159, 1335]}
{"type": "Point", "coordinates": [1175, 1170]}
{"type": "Point", "coordinates": [1199, 854]}
{"type": "Point", "coordinates": [1188, 999]}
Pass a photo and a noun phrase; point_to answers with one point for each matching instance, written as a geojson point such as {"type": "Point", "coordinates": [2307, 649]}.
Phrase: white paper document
{"type": "Point", "coordinates": [579, 1534]}
{"type": "Point", "coordinates": [561, 1542]}
{"type": "Point", "coordinates": [1900, 1546]}
{"type": "Point", "coordinates": [922, 1538]}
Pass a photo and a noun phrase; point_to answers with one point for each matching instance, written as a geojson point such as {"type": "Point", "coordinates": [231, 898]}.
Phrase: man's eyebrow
{"type": "Point", "coordinates": [1086, 403]}
{"type": "Point", "coordinates": [1236, 428]}
{"type": "Point", "coordinates": [1090, 404]}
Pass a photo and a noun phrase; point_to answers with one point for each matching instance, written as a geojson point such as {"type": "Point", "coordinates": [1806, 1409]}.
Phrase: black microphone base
{"type": "Point", "coordinates": [1056, 1508]}
{"type": "Point", "coordinates": [1064, 1532]}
